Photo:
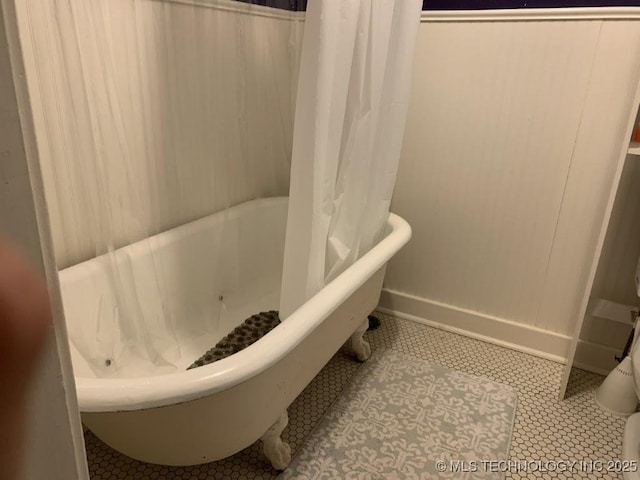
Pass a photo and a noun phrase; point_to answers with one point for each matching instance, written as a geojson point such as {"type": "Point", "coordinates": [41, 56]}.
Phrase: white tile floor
{"type": "Point", "coordinates": [545, 429]}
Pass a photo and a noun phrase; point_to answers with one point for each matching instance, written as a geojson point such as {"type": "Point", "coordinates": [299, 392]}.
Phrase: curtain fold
{"type": "Point", "coordinates": [353, 95]}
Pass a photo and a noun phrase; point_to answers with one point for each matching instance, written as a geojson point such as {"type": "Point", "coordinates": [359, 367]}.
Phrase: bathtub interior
{"type": "Point", "coordinates": [203, 279]}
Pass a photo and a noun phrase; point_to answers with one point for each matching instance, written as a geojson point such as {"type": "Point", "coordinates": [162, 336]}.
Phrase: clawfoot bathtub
{"type": "Point", "coordinates": [188, 417]}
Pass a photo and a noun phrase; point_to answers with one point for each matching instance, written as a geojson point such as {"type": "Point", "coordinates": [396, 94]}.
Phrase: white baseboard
{"type": "Point", "coordinates": [499, 331]}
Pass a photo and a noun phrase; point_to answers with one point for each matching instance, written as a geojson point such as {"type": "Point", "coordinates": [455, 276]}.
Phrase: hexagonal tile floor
{"type": "Point", "coordinates": [546, 429]}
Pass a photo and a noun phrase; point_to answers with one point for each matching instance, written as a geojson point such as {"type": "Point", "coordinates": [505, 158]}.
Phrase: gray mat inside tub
{"type": "Point", "coordinates": [251, 330]}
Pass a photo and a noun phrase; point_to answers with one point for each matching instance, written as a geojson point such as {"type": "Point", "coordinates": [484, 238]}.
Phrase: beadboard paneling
{"type": "Point", "coordinates": [489, 140]}
{"type": "Point", "coordinates": [501, 150]}
{"type": "Point", "coordinates": [202, 99]}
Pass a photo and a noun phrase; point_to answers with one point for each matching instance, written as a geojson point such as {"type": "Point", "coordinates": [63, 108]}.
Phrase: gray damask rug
{"type": "Point", "coordinates": [403, 418]}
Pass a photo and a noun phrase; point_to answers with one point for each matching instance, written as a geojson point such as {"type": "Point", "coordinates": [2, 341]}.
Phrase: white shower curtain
{"type": "Point", "coordinates": [151, 114]}
{"type": "Point", "coordinates": [353, 94]}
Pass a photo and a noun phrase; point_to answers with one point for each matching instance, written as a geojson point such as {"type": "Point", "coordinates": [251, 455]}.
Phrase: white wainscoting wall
{"type": "Point", "coordinates": [510, 153]}
{"type": "Point", "coordinates": [514, 135]}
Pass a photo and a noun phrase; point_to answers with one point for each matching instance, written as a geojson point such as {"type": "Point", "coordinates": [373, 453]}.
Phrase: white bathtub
{"type": "Point", "coordinates": [190, 417]}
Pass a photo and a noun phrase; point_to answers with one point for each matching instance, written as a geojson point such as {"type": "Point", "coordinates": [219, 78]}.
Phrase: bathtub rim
{"type": "Point", "coordinates": [126, 394]}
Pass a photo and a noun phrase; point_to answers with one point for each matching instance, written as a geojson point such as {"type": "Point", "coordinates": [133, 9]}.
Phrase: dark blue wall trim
{"type": "Point", "coordinates": [295, 5]}
{"type": "Point", "coordinates": [298, 5]}
{"type": "Point", "coordinates": [493, 4]}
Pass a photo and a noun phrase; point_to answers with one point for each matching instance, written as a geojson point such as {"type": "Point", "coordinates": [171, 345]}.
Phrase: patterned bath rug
{"type": "Point", "coordinates": [405, 419]}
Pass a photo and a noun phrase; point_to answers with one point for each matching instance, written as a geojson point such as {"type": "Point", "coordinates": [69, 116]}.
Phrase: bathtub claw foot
{"type": "Point", "coordinates": [277, 451]}
{"type": "Point", "coordinates": [359, 345]}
